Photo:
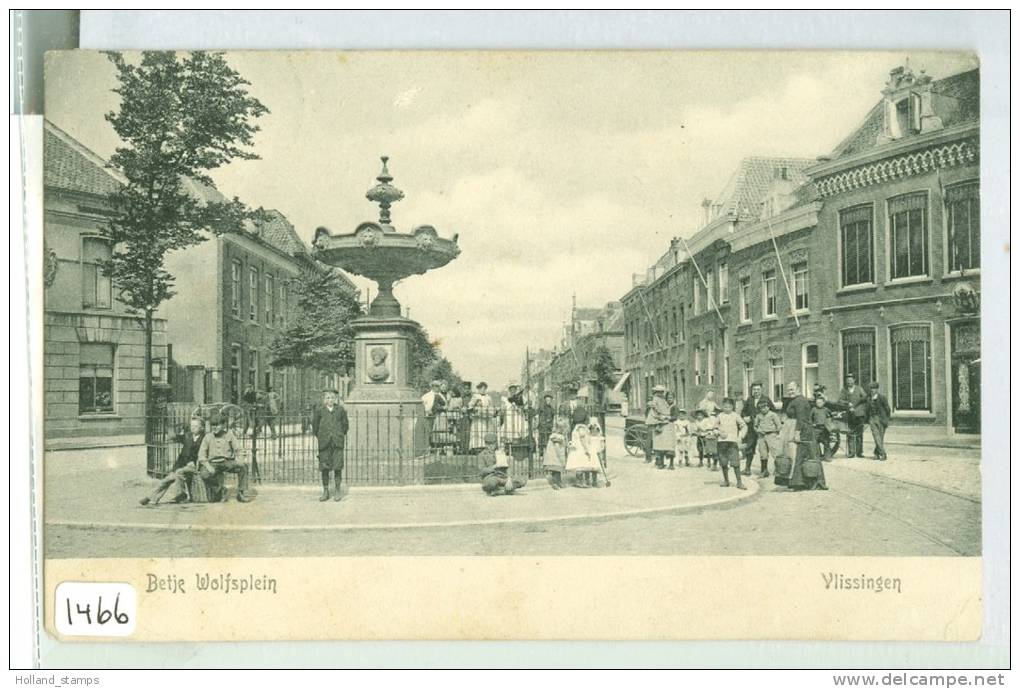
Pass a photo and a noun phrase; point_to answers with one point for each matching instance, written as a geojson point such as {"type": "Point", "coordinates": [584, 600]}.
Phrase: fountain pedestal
{"type": "Point", "coordinates": [385, 411]}
{"type": "Point", "coordinates": [382, 361]}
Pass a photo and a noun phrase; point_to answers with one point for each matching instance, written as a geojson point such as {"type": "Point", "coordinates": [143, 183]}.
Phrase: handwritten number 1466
{"type": "Point", "coordinates": [102, 615]}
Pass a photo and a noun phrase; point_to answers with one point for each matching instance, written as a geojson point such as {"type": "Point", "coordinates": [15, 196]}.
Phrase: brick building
{"type": "Point", "coordinates": [235, 295]}
{"type": "Point", "coordinates": [900, 249]}
{"type": "Point", "coordinates": [93, 347]}
{"type": "Point", "coordinates": [866, 261]}
{"type": "Point", "coordinates": [696, 319]}
{"type": "Point", "coordinates": [589, 329]}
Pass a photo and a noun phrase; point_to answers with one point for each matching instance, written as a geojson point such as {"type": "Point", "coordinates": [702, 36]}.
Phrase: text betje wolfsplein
{"type": "Point", "coordinates": [834, 581]}
{"type": "Point", "coordinates": [207, 582]}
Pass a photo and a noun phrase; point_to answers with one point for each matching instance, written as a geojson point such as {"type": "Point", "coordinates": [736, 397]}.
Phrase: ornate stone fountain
{"type": "Point", "coordinates": [375, 250]}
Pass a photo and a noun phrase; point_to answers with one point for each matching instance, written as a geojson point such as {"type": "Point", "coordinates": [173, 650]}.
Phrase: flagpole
{"type": "Point", "coordinates": [782, 271]}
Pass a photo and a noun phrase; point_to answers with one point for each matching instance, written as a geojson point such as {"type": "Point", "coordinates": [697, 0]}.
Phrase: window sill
{"type": "Point", "coordinates": [971, 273]}
{"type": "Point", "coordinates": [770, 319]}
{"type": "Point", "coordinates": [745, 324]}
{"type": "Point", "coordinates": [99, 416]}
{"type": "Point", "coordinates": [912, 280]}
{"type": "Point", "coordinates": [866, 287]}
{"type": "Point", "coordinates": [912, 415]}
{"type": "Point", "coordinates": [86, 307]}
{"type": "Point", "coordinates": [802, 313]}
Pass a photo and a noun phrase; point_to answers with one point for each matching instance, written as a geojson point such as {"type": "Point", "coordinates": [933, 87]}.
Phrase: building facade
{"type": "Point", "coordinates": [865, 261]}
{"type": "Point", "coordinates": [93, 346]}
{"type": "Point", "coordinates": [901, 221]}
{"type": "Point", "coordinates": [245, 285]}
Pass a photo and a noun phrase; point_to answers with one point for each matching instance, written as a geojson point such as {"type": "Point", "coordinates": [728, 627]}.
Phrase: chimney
{"type": "Point", "coordinates": [706, 211]}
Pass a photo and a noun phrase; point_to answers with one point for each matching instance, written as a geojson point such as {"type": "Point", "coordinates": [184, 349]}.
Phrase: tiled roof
{"type": "Point", "coordinates": [69, 166]}
{"type": "Point", "coordinates": [752, 181]}
{"type": "Point", "coordinates": [279, 232]}
{"type": "Point", "coordinates": [961, 103]}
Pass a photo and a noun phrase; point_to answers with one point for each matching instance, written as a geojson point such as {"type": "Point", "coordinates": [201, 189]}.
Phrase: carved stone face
{"type": "Point", "coordinates": [378, 355]}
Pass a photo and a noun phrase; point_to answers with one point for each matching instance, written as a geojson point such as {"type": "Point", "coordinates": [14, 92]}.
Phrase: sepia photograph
{"type": "Point", "coordinates": [515, 304]}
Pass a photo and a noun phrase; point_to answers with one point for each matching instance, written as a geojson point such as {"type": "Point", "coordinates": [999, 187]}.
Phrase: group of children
{"type": "Point", "coordinates": [718, 439]}
{"type": "Point", "coordinates": [582, 454]}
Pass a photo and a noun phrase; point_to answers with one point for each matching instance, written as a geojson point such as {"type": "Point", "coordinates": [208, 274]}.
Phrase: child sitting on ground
{"type": "Point", "coordinates": [495, 471]}
{"type": "Point", "coordinates": [731, 429]}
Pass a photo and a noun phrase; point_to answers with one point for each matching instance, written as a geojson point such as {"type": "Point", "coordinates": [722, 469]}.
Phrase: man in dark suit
{"type": "Point", "coordinates": [546, 418]}
{"type": "Point", "coordinates": [329, 425]}
{"type": "Point", "coordinates": [575, 410]}
{"type": "Point", "coordinates": [748, 413]}
{"type": "Point", "coordinates": [856, 400]}
{"type": "Point", "coordinates": [878, 420]}
{"type": "Point", "coordinates": [184, 469]}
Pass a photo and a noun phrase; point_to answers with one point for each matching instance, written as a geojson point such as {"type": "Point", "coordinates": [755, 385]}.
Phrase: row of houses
{"type": "Point", "coordinates": [864, 261]}
{"type": "Point", "coordinates": [234, 294]}
{"type": "Point", "coordinates": [551, 371]}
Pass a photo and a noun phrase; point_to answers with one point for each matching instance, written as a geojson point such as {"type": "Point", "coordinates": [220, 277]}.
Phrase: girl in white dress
{"type": "Point", "coordinates": [581, 459]}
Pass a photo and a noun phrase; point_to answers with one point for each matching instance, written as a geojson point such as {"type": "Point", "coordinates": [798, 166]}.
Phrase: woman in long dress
{"type": "Point", "coordinates": [581, 459]}
{"type": "Point", "coordinates": [514, 429]}
{"type": "Point", "coordinates": [808, 472]}
{"type": "Point", "coordinates": [660, 423]}
{"type": "Point", "coordinates": [483, 416]}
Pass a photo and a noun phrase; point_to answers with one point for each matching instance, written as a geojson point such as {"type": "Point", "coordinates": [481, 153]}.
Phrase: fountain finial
{"type": "Point", "coordinates": [384, 193]}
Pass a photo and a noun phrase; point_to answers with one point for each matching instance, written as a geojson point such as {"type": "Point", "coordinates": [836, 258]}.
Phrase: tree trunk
{"type": "Point", "coordinates": [147, 377]}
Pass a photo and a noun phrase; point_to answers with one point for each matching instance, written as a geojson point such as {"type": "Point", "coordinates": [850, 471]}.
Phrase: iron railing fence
{"type": "Point", "coordinates": [390, 446]}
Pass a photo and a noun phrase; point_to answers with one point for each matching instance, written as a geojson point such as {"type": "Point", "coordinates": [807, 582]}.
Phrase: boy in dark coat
{"type": "Point", "coordinates": [878, 419]}
{"type": "Point", "coordinates": [329, 425]}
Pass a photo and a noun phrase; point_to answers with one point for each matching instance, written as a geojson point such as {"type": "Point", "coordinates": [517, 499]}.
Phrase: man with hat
{"type": "Point", "coordinates": [749, 412]}
{"type": "Point", "coordinates": [217, 455]}
{"type": "Point", "coordinates": [574, 409]}
{"type": "Point", "coordinates": [660, 423]}
{"type": "Point", "coordinates": [856, 400]}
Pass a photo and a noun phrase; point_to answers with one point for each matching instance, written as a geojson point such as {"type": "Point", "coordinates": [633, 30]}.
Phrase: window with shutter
{"type": "Point", "coordinates": [963, 223]}
{"type": "Point", "coordinates": [855, 245]}
{"type": "Point", "coordinates": [908, 229]}
{"type": "Point", "coordinates": [911, 372]}
{"type": "Point", "coordinates": [97, 290]}
{"type": "Point", "coordinates": [859, 355]}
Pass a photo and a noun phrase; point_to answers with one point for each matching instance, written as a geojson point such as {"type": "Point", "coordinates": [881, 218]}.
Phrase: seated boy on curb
{"type": "Point", "coordinates": [732, 429]}
{"type": "Point", "coordinates": [218, 456]}
{"type": "Point", "coordinates": [495, 470]}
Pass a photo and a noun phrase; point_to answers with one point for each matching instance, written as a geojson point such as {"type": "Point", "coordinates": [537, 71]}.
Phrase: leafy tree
{"type": "Point", "coordinates": [320, 337]}
{"type": "Point", "coordinates": [602, 369]}
{"type": "Point", "coordinates": [180, 116]}
{"type": "Point", "coordinates": [424, 354]}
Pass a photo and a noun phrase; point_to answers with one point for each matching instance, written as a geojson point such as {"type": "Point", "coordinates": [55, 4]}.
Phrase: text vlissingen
{"type": "Point", "coordinates": [841, 582]}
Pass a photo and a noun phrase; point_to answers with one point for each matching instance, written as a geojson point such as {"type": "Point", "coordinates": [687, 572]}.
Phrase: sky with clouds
{"type": "Point", "coordinates": [562, 173]}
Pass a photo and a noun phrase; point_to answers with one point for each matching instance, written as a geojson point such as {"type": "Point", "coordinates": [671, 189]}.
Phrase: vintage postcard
{"type": "Point", "coordinates": [512, 345]}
